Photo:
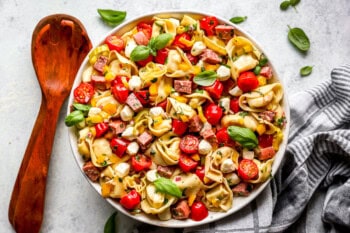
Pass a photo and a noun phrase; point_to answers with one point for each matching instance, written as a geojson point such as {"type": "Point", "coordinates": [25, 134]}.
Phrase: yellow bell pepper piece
{"type": "Point", "coordinates": [184, 118]}
{"type": "Point", "coordinates": [196, 157]}
{"type": "Point", "coordinates": [191, 199]}
{"type": "Point", "coordinates": [184, 66]}
{"type": "Point", "coordinates": [94, 119]}
{"type": "Point", "coordinates": [261, 129]}
{"type": "Point", "coordinates": [208, 66]}
{"type": "Point", "coordinates": [110, 108]}
{"type": "Point", "coordinates": [157, 120]}
{"type": "Point", "coordinates": [196, 69]}
{"type": "Point", "coordinates": [181, 99]}
{"type": "Point", "coordinates": [201, 114]}
{"type": "Point", "coordinates": [153, 89]}
{"type": "Point", "coordinates": [106, 189]}
{"type": "Point", "coordinates": [261, 80]}
{"type": "Point", "coordinates": [277, 140]}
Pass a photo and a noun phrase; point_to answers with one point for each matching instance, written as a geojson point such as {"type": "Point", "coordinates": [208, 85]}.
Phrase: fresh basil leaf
{"type": "Point", "coordinates": [165, 185]}
{"type": "Point", "coordinates": [243, 136]}
{"type": "Point", "coordinates": [257, 70]}
{"type": "Point", "coordinates": [161, 41]}
{"type": "Point", "coordinates": [294, 2]}
{"type": "Point", "coordinates": [110, 225]}
{"type": "Point", "coordinates": [74, 118]}
{"type": "Point", "coordinates": [84, 108]}
{"type": "Point", "coordinates": [306, 70]}
{"type": "Point", "coordinates": [112, 17]}
{"type": "Point", "coordinates": [238, 19]}
{"type": "Point", "coordinates": [263, 60]}
{"type": "Point", "coordinates": [299, 39]}
{"type": "Point", "coordinates": [140, 53]}
{"type": "Point", "coordinates": [284, 5]}
{"type": "Point", "coordinates": [205, 78]}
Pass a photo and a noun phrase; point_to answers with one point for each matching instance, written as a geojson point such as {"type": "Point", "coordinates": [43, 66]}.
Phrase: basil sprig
{"type": "Point", "coordinates": [299, 39]}
{"type": "Point", "coordinates": [243, 136]}
{"type": "Point", "coordinates": [141, 52]}
{"type": "Point", "coordinates": [306, 70]}
{"type": "Point", "coordinates": [165, 185]}
{"type": "Point", "coordinates": [112, 17]}
{"type": "Point", "coordinates": [205, 78]}
{"type": "Point", "coordinates": [110, 225]}
{"type": "Point", "coordinates": [78, 115]}
{"type": "Point", "coordinates": [238, 19]}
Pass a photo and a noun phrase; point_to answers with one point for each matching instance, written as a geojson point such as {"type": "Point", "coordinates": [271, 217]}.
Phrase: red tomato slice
{"type": "Point", "coordinates": [234, 104]}
{"type": "Point", "coordinates": [198, 211]}
{"type": "Point", "coordinates": [131, 200]}
{"type": "Point", "coordinates": [247, 81]}
{"type": "Point", "coordinates": [83, 93]}
{"type": "Point", "coordinates": [265, 140]}
{"type": "Point", "coordinates": [120, 92]}
{"type": "Point", "coordinates": [248, 170]}
{"type": "Point", "coordinates": [162, 55]}
{"type": "Point", "coordinates": [179, 127]}
{"type": "Point", "coordinates": [213, 113]}
{"type": "Point", "coordinates": [142, 96]}
{"type": "Point", "coordinates": [146, 28]}
{"type": "Point", "coordinates": [186, 163]}
{"type": "Point", "coordinates": [223, 138]}
{"type": "Point", "coordinates": [178, 40]}
{"type": "Point", "coordinates": [140, 162]}
{"type": "Point", "coordinates": [200, 172]}
{"type": "Point", "coordinates": [115, 43]}
{"type": "Point", "coordinates": [208, 24]}
{"type": "Point", "coordinates": [119, 146]}
{"type": "Point", "coordinates": [101, 129]}
{"type": "Point", "coordinates": [189, 144]}
{"type": "Point", "coordinates": [215, 90]}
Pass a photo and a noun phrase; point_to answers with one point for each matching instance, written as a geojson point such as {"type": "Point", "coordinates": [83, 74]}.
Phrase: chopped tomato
{"type": "Point", "coordinates": [140, 162]}
{"type": "Point", "coordinates": [198, 211]}
{"type": "Point", "coordinates": [234, 105]}
{"type": "Point", "coordinates": [142, 96]}
{"type": "Point", "coordinates": [266, 153]}
{"type": "Point", "coordinates": [101, 129]}
{"type": "Point", "coordinates": [215, 90]}
{"type": "Point", "coordinates": [247, 169]}
{"type": "Point", "coordinates": [228, 85]}
{"type": "Point", "coordinates": [120, 92]}
{"type": "Point", "coordinates": [146, 28]}
{"type": "Point", "coordinates": [163, 104]}
{"type": "Point", "coordinates": [223, 138]}
{"type": "Point", "coordinates": [179, 127]}
{"type": "Point", "coordinates": [178, 41]}
{"type": "Point", "coordinates": [162, 55]}
{"type": "Point", "coordinates": [208, 24]}
{"type": "Point", "coordinates": [189, 144]}
{"type": "Point", "coordinates": [200, 172]}
{"type": "Point", "coordinates": [115, 43]}
{"type": "Point", "coordinates": [144, 62]}
{"type": "Point", "coordinates": [119, 146]}
{"type": "Point", "coordinates": [131, 200]}
{"type": "Point", "coordinates": [247, 81]}
{"type": "Point", "coordinates": [265, 140]}
{"type": "Point", "coordinates": [119, 80]}
{"type": "Point", "coordinates": [213, 113]}
{"type": "Point", "coordinates": [186, 163]}
{"type": "Point", "coordinates": [192, 59]}
{"type": "Point", "coordinates": [83, 93]}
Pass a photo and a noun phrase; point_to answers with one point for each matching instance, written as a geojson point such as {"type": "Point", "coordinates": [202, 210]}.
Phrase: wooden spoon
{"type": "Point", "coordinates": [59, 45]}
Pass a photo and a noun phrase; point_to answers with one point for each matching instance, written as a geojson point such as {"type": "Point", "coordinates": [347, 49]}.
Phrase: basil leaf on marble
{"type": "Point", "coordinates": [294, 2]}
{"type": "Point", "coordinates": [110, 225]}
{"type": "Point", "coordinates": [112, 17]}
{"type": "Point", "coordinates": [299, 39]}
{"type": "Point", "coordinates": [284, 5]}
{"type": "Point", "coordinates": [238, 19]}
{"type": "Point", "coordinates": [205, 78]}
{"type": "Point", "coordinates": [306, 70]}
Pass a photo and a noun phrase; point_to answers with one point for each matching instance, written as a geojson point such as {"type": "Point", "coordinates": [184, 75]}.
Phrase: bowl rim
{"type": "Point", "coordinates": [239, 202]}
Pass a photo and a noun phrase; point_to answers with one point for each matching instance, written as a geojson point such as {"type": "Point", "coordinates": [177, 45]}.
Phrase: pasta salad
{"type": "Point", "coordinates": [177, 116]}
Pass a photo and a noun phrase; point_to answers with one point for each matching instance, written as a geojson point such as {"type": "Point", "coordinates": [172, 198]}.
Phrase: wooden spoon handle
{"type": "Point", "coordinates": [28, 196]}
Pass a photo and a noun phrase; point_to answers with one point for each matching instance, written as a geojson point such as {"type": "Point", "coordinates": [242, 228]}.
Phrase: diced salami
{"type": "Point", "coordinates": [91, 171]}
{"type": "Point", "coordinates": [117, 126]}
{"type": "Point", "coordinates": [266, 153]}
{"type": "Point", "coordinates": [144, 140]}
{"type": "Point", "coordinates": [242, 189]}
{"type": "Point", "coordinates": [267, 115]}
{"type": "Point", "coordinates": [99, 81]}
{"type": "Point", "coordinates": [266, 71]}
{"type": "Point", "coordinates": [207, 133]}
{"type": "Point", "coordinates": [195, 124]}
{"type": "Point", "coordinates": [100, 63]}
{"type": "Point", "coordinates": [134, 103]}
{"type": "Point", "coordinates": [184, 86]}
{"type": "Point", "coordinates": [165, 171]}
{"type": "Point", "coordinates": [140, 38]}
{"type": "Point", "coordinates": [181, 211]}
{"type": "Point", "coordinates": [224, 32]}
{"type": "Point", "coordinates": [211, 57]}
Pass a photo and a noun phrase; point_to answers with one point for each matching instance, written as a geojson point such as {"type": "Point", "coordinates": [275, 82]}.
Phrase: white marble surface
{"type": "Point", "coordinates": [71, 204]}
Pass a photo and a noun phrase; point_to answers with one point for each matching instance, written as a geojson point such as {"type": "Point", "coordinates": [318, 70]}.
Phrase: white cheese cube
{"type": "Point", "coordinates": [198, 48]}
{"type": "Point", "coordinates": [156, 111]}
{"type": "Point", "coordinates": [135, 83]}
{"type": "Point", "coordinates": [129, 134]}
{"type": "Point", "coordinates": [236, 91]}
{"type": "Point", "coordinates": [232, 178]}
{"type": "Point", "coordinates": [129, 47]}
{"type": "Point", "coordinates": [227, 166]}
{"type": "Point", "coordinates": [223, 73]}
{"type": "Point", "coordinates": [224, 102]}
{"type": "Point", "coordinates": [122, 169]}
{"type": "Point", "coordinates": [247, 154]}
{"type": "Point", "coordinates": [204, 147]}
{"type": "Point", "coordinates": [132, 148]}
{"type": "Point", "coordinates": [152, 175]}
{"type": "Point", "coordinates": [94, 111]}
{"type": "Point", "coordinates": [127, 113]}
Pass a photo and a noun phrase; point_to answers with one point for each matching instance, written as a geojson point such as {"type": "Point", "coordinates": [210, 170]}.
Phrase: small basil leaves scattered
{"type": "Point", "coordinates": [243, 136]}
{"type": "Point", "coordinates": [165, 185]}
{"type": "Point", "coordinates": [112, 17]}
{"type": "Point", "coordinates": [294, 2]}
{"type": "Point", "coordinates": [238, 19]}
{"type": "Point", "coordinates": [284, 5]}
{"type": "Point", "coordinates": [205, 78]}
{"type": "Point", "coordinates": [299, 39]}
{"type": "Point", "coordinates": [77, 116]}
{"type": "Point", "coordinates": [306, 70]}
{"type": "Point", "coordinates": [110, 225]}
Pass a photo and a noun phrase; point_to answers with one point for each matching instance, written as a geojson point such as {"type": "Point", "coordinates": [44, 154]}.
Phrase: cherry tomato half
{"type": "Point", "coordinates": [200, 172]}
{"type": "Point", "coordinates": [213, 113]}
{"type": "Point", "coordinates": [142, 96]}
{"type": "Point", "coordinates": [140, 162]}
{"type": "Point", "coordinates": [120, 92]}
{"type": "Point", "coordinates": [186, 163]}
{"type": "Point", "coordinates": [131, 200]}
{"type": "Point", "coordinates": [119, 146]}
{"type": "Point", "coordinates": [215, 90]}
{"type": "Point", "coordinates": [162, 55]}
{"type": "Point", "coordinates": [115, 43]}
{"type": "Point", "coordinates": [198, 211]}
{"type": "Point", "coordinates": [83, 93]}
{"type": "Point", "coordinates": [146, 28]}
{"type": "Point", "coordinates": [179, 41]}
{"type": "Point", "coordinates": [179, 127]}
{"type": "Point", "coordinates": [208, 24]}
{"type": "Point", "coordinates": [223, 138]}
{"type": "Point", "coordinates": [101, 129]}
{"type": "Point", "coordinates": [234, 104]}
{"type": "Point", "coordinates": [189, 144]}
{"type": "Point", "coordinates": [247, 169]}
{"type": "Point", "coordinates": [247, 81]}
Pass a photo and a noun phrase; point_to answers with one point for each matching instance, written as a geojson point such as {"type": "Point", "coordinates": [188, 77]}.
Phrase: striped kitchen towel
{"type": "Point", "coordinates": [311, 191]}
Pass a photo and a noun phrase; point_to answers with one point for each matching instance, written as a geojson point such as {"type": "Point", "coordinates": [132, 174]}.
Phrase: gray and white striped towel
{"type": "Point", "coordinates": [311, 191]}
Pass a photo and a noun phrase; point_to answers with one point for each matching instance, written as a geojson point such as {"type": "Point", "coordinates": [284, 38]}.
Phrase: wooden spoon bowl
{"type": "Point", "coordinates": [59, 45]}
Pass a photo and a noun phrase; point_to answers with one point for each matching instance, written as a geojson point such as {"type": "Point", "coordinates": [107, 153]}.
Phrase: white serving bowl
{"type": "Point", "coordinates": [238, 202]}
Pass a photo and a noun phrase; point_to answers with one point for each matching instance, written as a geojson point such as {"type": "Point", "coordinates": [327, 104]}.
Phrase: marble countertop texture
{"type": "Point", "coordinates": [72, 205]}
